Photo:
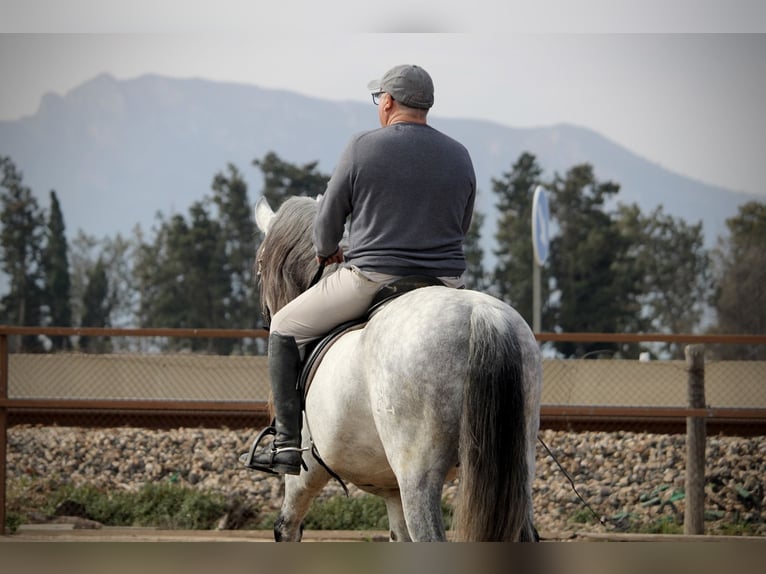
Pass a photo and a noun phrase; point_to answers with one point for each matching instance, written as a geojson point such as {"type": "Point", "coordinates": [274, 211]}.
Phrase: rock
{"type": "Point", "coordinates": [612, 471]}
{"type": "Point", "coordinates": [78, 522]}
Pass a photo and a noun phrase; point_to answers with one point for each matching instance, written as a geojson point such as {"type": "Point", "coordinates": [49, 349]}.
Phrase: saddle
{"type": "Point", "coordinates": [315, 352]}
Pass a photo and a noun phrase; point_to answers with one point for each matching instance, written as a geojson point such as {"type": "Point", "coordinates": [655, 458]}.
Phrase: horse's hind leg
{"type": "Point", "coordinates": [299, 494]}
{"type": "Point", "coordinates": [397, 525]}
{"type": "Point", "coordinates": [421, 500]}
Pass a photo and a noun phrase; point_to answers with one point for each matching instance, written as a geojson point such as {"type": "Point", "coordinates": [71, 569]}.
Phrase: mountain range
{"type": "Point", "coordinates": [118, 151]}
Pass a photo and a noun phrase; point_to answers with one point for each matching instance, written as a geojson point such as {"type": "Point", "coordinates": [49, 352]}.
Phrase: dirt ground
{"type": "Point", "coordinates": [69, 533]}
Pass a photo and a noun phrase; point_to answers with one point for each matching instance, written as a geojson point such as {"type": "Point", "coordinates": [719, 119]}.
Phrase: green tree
{"type": "Point", "coordinates": [282, 179]}
{"type": "Point", "coordinates": [97, 307]}
{"type": "Point", "coordinates": [56, 267]}
{"type": "Point", "coordinates": [589, 259]}
{"type": "Point", "coordinates": [238, 234]}
{"type": "Point", "coordinates": [182, 277]}
{"type": "Point", "coordinates": [512, 279]}
{"type": "Point", "coordinates": [154, 277]}
{"type": "Point", "coordinates": [22, 238]}
{"type": "Point", "coordinates": [670, 268]}
{"type": "Point", "coordinates": [475, 276]}
{"type": "Point", "coordinates": [162, 271]}
{"type": "Point", "coordinates": [82, 259]}
{"type": "Point", "coordinates": [207, 282]}
{"type": "Point", "coordinates": [117, 256]}
{"type": "Point", "coordinates": [740, 271]}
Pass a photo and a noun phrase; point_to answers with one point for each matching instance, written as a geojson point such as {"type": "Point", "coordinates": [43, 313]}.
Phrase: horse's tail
{"type": "Point", "coordinates": [494, 498]}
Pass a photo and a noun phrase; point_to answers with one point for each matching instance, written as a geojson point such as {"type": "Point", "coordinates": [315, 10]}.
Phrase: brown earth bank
{"type": "Point", "coordinates": [632, 482]}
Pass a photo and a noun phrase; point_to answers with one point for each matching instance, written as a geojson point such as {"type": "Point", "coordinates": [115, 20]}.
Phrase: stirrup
{"type": "Point", "coordinates": [246, 458]}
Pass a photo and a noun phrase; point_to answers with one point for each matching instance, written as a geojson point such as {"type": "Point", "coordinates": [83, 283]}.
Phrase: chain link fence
{"type": "Point", "coordinates": [616, 426]}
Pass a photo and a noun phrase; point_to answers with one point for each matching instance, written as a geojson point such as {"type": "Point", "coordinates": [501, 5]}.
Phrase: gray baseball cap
{"type": "Point", "coordinates": [408, 84]}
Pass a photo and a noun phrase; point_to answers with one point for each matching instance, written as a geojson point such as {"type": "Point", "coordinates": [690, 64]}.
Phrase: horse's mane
{"type": "Point", "coordinates": [286, 261]}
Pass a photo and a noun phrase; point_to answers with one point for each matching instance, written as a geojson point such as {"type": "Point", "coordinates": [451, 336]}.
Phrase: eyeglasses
{"type": "Point", "coordinates": [376, 97]}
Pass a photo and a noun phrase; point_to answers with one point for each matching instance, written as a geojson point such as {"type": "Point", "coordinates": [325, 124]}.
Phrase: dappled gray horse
{"type": "Point", "coordinates": [439, 383]}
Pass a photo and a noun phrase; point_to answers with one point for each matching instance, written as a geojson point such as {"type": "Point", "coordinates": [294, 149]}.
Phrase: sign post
{"type": "Point", "coordinates": [540, 245]}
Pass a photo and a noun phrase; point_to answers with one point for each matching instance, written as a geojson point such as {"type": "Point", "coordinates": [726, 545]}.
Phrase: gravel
{"type": "Point", "coordinates": [628, 479]}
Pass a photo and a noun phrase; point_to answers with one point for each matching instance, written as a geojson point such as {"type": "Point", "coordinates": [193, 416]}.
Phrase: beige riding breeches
{"type": "Point", "coordinates": [342, 296]}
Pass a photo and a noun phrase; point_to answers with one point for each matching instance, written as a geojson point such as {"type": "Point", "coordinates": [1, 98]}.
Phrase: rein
{"type": "Point", "coordinates": [571, 482]}
{"type": "Point", "coordinates": [318, 274]}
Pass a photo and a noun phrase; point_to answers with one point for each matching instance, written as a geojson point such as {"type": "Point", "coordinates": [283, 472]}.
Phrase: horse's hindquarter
{"type": "Point", "coordinates": [399, 382]}
{"type": "Point", "coordinates": [417, 349]}
{"type": "Point", "coordinates": [392, 393]}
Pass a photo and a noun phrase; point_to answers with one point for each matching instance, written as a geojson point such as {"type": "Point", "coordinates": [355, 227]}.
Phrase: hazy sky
{"type": "Point", "coordinates": [680, 85]}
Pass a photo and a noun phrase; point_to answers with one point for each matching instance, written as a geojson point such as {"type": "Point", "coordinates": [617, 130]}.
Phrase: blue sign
{"type": "Point", "coordinates": [540, 220]}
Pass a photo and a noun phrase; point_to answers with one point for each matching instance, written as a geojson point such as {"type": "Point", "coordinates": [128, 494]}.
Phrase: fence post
{"type": "Point", "coordinates": [3, 426]}
{"type": "Point", "coordinates": [694, 511]}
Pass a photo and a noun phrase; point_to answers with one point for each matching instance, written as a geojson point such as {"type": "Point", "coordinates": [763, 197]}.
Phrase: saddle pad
{"type": "Point", "coordinates": [318, 352]}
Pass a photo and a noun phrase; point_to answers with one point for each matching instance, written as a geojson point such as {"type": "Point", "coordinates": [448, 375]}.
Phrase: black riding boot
{"type": "Point", "coordinates": [283, 456]}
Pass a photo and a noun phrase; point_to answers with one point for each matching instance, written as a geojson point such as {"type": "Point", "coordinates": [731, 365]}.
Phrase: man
{"type": "Point", "coordinates": [409, 191]}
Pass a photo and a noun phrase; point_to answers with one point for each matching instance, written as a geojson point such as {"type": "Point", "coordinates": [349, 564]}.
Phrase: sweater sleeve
{"type": "Point", "coordinates": [334, 207]}
{"type": "Point", "coordinates": [470, 203]}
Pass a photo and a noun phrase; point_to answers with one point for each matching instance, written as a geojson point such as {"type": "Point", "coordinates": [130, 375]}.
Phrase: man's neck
{"type": "Point", "coordinates": [402, 117]}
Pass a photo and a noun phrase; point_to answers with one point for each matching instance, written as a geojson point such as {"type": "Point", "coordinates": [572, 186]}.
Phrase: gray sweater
{"type": "Point", "coordinates": [409, 191]}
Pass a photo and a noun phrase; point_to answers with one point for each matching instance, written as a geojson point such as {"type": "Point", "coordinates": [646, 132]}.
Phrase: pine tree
{"type": "Point", "coordinates": [97, 307]}
{"type": "Point", "coordinates": [740, 296]}
{"type": "Point", "coordinates": [238, 233]}
{"type": "Point", "coordinates": [587, 257]}
{"type": "Point", "coordinates": [183, 278]}
{"type": "Point", "coordinates": [22, 240]}
{"type": "Point", "coordinates": [57, 281]}
{"type": "Point", "coordinates": [162, 269]}
{"type": "Point", "coordinates": [475, 276]}
{"type": "Point", "coordinates": [207, 284]}
{"type": "Point", "coordinates": [282, 179]}
{"type": "Point", "coordinates": [667, 267]}
{"type": "Point", "coordinates": [512, 279]}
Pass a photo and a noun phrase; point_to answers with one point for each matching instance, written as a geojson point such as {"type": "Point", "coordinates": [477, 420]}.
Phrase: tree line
{"type": "Point", "coordinates": [611, 269]}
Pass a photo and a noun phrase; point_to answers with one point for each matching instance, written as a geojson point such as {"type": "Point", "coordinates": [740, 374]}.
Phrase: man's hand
{"type": "Point", "coordinates": [336, 257]}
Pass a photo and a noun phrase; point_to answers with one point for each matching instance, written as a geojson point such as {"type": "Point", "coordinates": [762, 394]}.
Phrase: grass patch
{"type": "Point", "coordinates": [160, 505]}
{"type": "Point", "coordinates": [663, 525]}
{"type": "Point", "coordinates": [12, 522]}
{"type": "Point", "coordinates": [168, 505]}
{"type": "Point", "coordinates": [583, 516]}
{"type": "Point", "coordinates": [737, 529]}
{"type": "Point", "coordinates": [366, 512]}
{"type": "Point", "coordinates": [341, 513]}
